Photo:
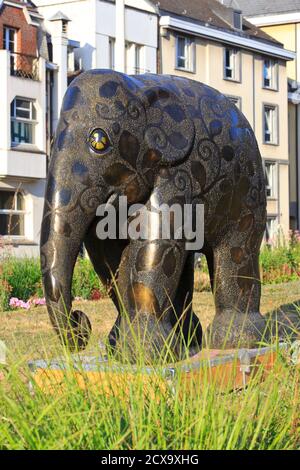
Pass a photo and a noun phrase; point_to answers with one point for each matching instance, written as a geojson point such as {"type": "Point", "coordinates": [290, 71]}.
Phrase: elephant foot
{"type": "Point", "coordinates": [231, 330]}
{"type": "Point", "coordinates": [78, 335]}
{"type": "Point", "coordinates": [145, 339]}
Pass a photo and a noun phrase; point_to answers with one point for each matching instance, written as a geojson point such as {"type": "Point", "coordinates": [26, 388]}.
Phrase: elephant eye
{"type": "Point", "coordinates": [99, 141]}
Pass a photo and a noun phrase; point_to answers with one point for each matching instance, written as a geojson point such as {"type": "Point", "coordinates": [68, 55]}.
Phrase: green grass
{"type": "Point", "coordinates": [263, 416]}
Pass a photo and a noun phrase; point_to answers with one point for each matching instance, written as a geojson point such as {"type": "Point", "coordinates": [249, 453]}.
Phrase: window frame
{"type": "Point", "coordinates": [274, 176]}
{"type": "Point", "coordinates": [275, 124]}
{"type": "Point", "coordinates": [274, 77]}
{"type": "Point", "coordinates": [112, 50]}
{"type": "Point", "coordinates": [6, 29]}
{"type": "Point", "coordinates": [235, 100]}
{"type": "Point", "coordinates": [190, 53]}
{"type": "Point", "coordinates": [238, 14]}
{"type": "Point", "coordinates": [23, 120]}
{"type": "Point", "coordinates": [14, 211]}
{"type": "Point", "coordinates": [268, 234]}
{"type": "Point", "coordinates": [237, 69]}
{"type": "Point", "coordinates": [138, 48]}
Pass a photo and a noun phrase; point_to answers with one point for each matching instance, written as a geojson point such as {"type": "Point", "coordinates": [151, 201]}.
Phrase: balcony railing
{"type": "Point", "coordinates": [137, 70]}
{"type": "Point", "coordinates": [24, 66]}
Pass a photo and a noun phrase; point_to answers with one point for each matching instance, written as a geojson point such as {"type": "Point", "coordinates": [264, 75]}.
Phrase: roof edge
{"type": "Point", "coordinates": [227, 37]}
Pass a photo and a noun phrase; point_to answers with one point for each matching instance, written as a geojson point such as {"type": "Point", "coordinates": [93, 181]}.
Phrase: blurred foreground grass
{"type": "Point", "coordinates": [263, 416]}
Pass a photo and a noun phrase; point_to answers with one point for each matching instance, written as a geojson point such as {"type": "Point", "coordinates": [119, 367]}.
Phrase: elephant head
{"type": "Point", "coordinates": [114, 134]}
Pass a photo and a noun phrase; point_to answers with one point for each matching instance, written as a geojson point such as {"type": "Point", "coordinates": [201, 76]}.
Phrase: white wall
{"type": "Point", "coordinates": [141, 27]}
{"type": "Point", "coordinates": [25, 170]}
{"type": "Point", "coordinates": [10, 87]}
{"type": "Point", "coordinates": [31, 162]}
{"type": "Point", "coordinates": [93, 22]}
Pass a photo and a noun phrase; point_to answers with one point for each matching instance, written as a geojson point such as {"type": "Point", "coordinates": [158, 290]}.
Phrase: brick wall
{"type": "Point", "coordinates": [26, 35]}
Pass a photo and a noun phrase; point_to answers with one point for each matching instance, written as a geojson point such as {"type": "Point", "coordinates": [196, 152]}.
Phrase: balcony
{"type": "Point", "coordinates": [24, 66]}
{"type": "Point", "coordinates": [22, 79]}
{"type": "Point", "coordinates": [136, 70]}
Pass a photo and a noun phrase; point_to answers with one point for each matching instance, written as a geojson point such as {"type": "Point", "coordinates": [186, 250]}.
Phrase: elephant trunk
{"type": "Point", "coordinates": [58, 258]}
{"type": "Point", "coordinates": [68, 213]}
{"type": "Point", "coordinates": [73, 327]}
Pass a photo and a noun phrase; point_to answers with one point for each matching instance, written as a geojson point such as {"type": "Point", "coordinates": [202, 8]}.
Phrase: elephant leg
{"type": "Point", "coordinates": [105, 256]}
{"type": "Point", "coordinates": [187, 325]}
{"type": "Point", "coordinates": [237, 322]}
{"type": "Point", "coordinates": [148, 278]}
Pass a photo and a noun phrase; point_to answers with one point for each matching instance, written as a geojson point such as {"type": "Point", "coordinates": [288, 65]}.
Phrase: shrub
{"type": "Point", "coordinates": [86, 283]}
{"type": "Point", "coordinates": [21, 278]}
{"type": "Point", "coordinates": [281, 262]}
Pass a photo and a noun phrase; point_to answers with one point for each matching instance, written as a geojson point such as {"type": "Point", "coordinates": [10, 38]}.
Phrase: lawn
{"type": "Point", "coordinates": [263, 416]}
{"type": "Point", "coordinates": [29, 331]}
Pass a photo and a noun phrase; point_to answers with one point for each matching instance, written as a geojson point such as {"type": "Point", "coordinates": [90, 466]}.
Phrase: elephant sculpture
{"type": "Point", "coordinates": [170, 139]}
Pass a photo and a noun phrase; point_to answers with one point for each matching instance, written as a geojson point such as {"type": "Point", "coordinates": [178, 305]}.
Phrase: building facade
{"type": "Point", "coordinates": [43, 48]}
{"type": "Point", "coordinates": [281, 20]}
{"type": "Point", "coordinates": [206, 41]}
{"type": "Point", "coordinates": [86, 34]}
{"type": "Point", "coordinates": [23, 128]}
{"type": "Point", "coordinates": [41, 51]}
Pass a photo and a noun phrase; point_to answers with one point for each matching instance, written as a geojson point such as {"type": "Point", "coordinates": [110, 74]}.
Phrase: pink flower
{"type": "Point", "coordinates": [39, 301]}
{"type": "Point", "coordinates": [13, 302]}
{"type": "Point", "coordinates": [18, 303]}
{"type": "Point", "coordinates": [25, 305]}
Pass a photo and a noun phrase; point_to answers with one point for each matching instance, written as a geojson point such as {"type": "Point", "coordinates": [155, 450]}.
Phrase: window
{"type": "Point", "coordinates": [11, 213]}
{"type": "Point", "coordinates": [270, 124]}
{"type": "Point", "coordinates": [9, 39]}
{"type": "Point", "coordinates": [236, 100]}
{"type": "Point", "coordinates": [271, 228]}
{"type": "Point", "coordinates": [237, 20]}
{"type": "Point", "coordinates": [270, 74]}
{"type": "Point", "coordinates": [137, 58]}
{"type": "Point", "coordinates": [112, 42]}
{"type": "Point", "coordinates": [71, 59]}
{"type": "Point", "coordinates": [185, 53]}
{"type": "Point", "coordinates": [23, 116]}
{"type": "Point", "coordinates": [271, 179]}
{"type": "Point", "coordinates": [231, 64]}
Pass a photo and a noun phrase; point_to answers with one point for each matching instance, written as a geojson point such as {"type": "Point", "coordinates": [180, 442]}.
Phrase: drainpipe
{"type": "Point", "coordinates": [294, 97]}
{"type": "Point", "coordinates": [298, 127]}
{"type": "Point", "coordinates": [58, 29]}
{"type": "Point", "coordinates": [298, 164]}
{"type": "Point", "coordinates": [120, 36]}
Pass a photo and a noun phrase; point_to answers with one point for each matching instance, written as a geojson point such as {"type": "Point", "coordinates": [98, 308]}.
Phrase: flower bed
{"type": "Point", "coordinates": [21, 286]}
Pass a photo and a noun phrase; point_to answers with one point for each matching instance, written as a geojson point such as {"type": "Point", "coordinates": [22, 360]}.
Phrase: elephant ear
{"type": "Point", "coordinates": [169, 130]}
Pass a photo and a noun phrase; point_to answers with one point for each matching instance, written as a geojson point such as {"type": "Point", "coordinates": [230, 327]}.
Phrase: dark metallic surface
{"type": "Point", "coordinates": [171, 140]}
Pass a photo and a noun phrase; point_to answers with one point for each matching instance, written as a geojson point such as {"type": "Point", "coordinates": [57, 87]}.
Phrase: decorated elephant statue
{"type": "Point", "coordinates": [172, 141]}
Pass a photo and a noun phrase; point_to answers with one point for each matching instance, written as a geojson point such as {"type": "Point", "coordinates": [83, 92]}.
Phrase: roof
{"type": "Point", "coordinates": [215, 14]}
{"type": "Point", "coordinates": [58, 16]}
{"type": "Point", "coordinates": [264, 7]}
{"type": "Point", "coordinates": [21, 3]}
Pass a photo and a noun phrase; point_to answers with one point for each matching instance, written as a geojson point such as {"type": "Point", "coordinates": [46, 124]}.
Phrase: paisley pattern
{"type": "Point", "coordinates": [177, 141]}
